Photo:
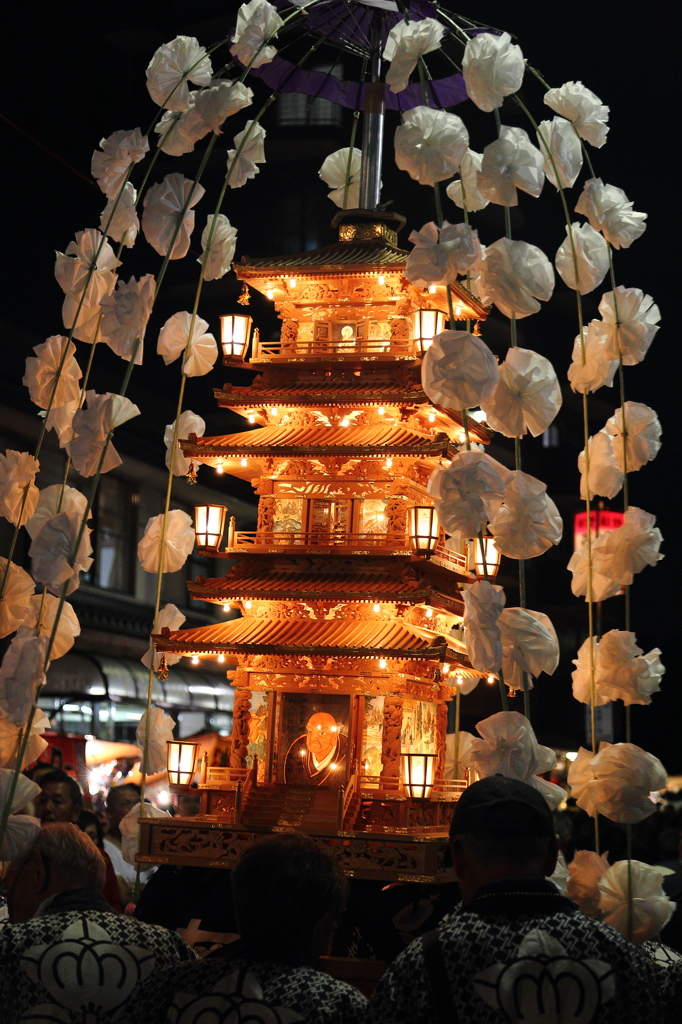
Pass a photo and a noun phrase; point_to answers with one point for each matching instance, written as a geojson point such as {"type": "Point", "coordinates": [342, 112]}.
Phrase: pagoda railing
{"type": "Point", "coordinates": [442, 555]}
{"type": "Point", "coordinates": [370, 348]}
{"type": "Point", "coordinates": [392, 789]}
{"type": "Point", "coordinates": [251, 540]}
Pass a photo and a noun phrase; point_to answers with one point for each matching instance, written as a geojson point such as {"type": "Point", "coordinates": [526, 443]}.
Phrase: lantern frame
{"type": "Point", "coordinates": [427, 324]}
{"type": "Point", "coordinates": [181, 759]}
{"type": "Point", "coordinates": [209, 525]}
{"type": "Point", "coordinates": [419, 773]}
{"type": "Point", "coordinates": [491, 558]}
{"type": "Point", "coordinates": [235, 336]}
{"type": "Point", "coordinates": [424, 528]}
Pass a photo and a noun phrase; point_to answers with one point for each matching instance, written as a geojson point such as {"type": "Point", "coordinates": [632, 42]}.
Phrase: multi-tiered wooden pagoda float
{"type": "Point", "coordinates": [348, 645]}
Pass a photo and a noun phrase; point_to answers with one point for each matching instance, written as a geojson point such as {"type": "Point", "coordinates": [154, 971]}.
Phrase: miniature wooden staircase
{"type": "Point", "coordinates": [304, 807]}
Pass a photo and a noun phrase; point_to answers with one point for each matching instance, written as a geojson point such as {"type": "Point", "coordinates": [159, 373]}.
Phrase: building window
{"type": "Point", "coordinates": [296, 110]}
{"type": "Point", "coordinates": [114, 526]}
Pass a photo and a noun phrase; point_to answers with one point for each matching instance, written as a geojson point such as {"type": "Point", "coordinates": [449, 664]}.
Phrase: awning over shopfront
{"type": "Point", "coordinates": [98, 676]}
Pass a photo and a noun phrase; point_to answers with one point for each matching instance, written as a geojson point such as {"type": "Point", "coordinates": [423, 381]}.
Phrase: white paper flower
{"type": "Point", "coordinates": [616, 782]}
{"type": "Point", "coordinates": [440, 254]}
{"type": "Point", "coordinates": [15, 597]}
{"type": "Point", "coordinates": [161, 728]}
{"type": "Point", "coordinates": [81, 320]}
{"type": "Point", "coordinates": [493, 68]}
{"type": "Point", "coordinates": [623, 670]}
{"type": "Point", "coordinates": [77, 265]}
{"type": "Point", "coordinates": [585, 672]}
{"type": "Point", "coordinates": [336, 173]}
{"type": "Point", "coordinates": [458, 370]}
{"type": "Point", "coordinates": [605, 477]}
{"type": "Point", "coordinates": [125, 315]}
{"type": "Point", "coordinates": [641, 437]}
{"type": "Point", "coordinates": [223, 244]}
{"type": "Point", "coordinates": [584, 872]}
{"type": "Point", "coordinates": [42, 609]}
{"type": "Point", "coordinates": [21, 830]}
{"type": "Point", "coordinates": [602, 587]}
{"type": "Point", "coordinates": [622, 552]}
{"type": "Point", "coordinates": [61, 421]}
{"type": "Point", "coordinates": [561, 150]}
{"type": "Point", "coordinates": [21, 676]}
{"type": "Point", "coordinates": [18, 492]}
{"type": "Point", "coordinates": [249, 150]}
{"type": "Point", "coordinates": [163, 207]}
{"type": "Point", "coordinates": [508, 747]}
{"type": "Point", "coordinates": [560, 876]}
{"type": "Point", "coordinates": [119, 219]}
{"type": "Point", "coordinates": [179, 131]}
{"type": "Point", "coordinates": [178, 544]}
{"type": "Point", "coordinates": [91, 428]}
{"type": "Point", "coordinates": [220, 101]}
{"type": "Point", "coordinates": [257, 23]}
{"type": "Point", "coordinates": [483, 604]}
{"type": "Point", "coordinates": [9, 740]}
{"type": "Point", "coordinates": [172, 66]}
{"type": "Point", "coordinates": [118, 152]}
{"type": "Point", "coordinates": [591, 367]}
{"type": "Point", "coordinates": [430, 144]}
{"type": "Point", "coordinates": [514, 275]}
{"type": "Point", "coordinates": [46, 383]}
{"type": "Point", "coordinates": [610, 211]}
{"type": "Point", "coordinates": [130, 828]}
{"type": "Point", "coordinates": [189, 423]}
{"type": "Point", "coordinates": [52, 501]}
{"type": "Point", "coordinates": [529, 644]}
{"type": "Point", "coordinates": [584, 110]}
{"type": "Point", "coordinates": [632, 900]}
{"type": "Point", "coordinates": [459, 489]}
{"type": "Point", "coordinates": [526, 522]}
{"type": "Point", "coordinates": [629, 325]}
{"type": "Point", "coordinates": [173, 337]}
{"type": "Point", "coordinates": [52, 549]}
{"type": "Point", "coordinates": [591, 257]}
{"type": "Point", "coordinates": [464, 190]}
{"type": "Point", "coordinates": [406, 43]}
{"type": "Point", "coordinates": [526, 397]}
{"type": "Point", "coordinates": [510, 162]}
{"type": "Point", "coordinates": [170, 617]}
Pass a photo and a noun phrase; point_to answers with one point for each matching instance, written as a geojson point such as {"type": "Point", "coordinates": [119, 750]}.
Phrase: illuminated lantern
{"type": "Point", "coordinates": [424, 529]}
{"type": "Point", "coordinates": [418, 774]}
{"type": "Point", "coordinates": [483, 560]}
{"type": "Point", "coordinates": [427, 324]}
{"type": "Point", "coordinates": [209, 523]}
{"type": "Point", "coordinates": [235, 334]}
{"type": "Point", "coordinates": [181, 758]}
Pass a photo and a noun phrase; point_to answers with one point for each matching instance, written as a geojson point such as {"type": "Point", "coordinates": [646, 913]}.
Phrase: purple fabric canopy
{"type": "Point", "coordinates": [283, 76]}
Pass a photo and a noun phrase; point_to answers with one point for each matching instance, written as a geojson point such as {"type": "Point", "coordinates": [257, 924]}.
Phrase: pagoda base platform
{"type": "Point", "coordinates": [397, 855]}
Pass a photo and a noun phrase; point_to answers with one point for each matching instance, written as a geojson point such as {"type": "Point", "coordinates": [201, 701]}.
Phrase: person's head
{"type": "Point", "coordinates": [38, 771]}
{"type": "Point", "coordinates": [61, 858]}
{"type": "Point", "coordinates": [501, 828]}
{"type": "Point", "coordinates": [120, 800]}
{"type": "Point", "coordinates": [322, 734]}
{"type": "Point", "coordinates": [60, 798]}
{"type": "Point", "coordinates": [288, 896]}
{"type": "Point", "coordinates": [92, 826]}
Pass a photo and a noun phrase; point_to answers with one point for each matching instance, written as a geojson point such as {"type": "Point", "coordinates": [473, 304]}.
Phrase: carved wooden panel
{"type": "Point", "coordinates": [390, 737]}
{"type": "Point", "coordinates": [241, 718]}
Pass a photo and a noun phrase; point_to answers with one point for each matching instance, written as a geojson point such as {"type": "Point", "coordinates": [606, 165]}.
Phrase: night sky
{"type": "Point", "coordinates": [75, 73]}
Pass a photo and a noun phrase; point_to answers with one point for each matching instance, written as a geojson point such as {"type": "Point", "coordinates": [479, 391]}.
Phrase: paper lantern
{"type": "Point", "coordinates": [418, 774]}
{"type": "Point", "coordinates": [209, 524]}
{"type": "Point", "coordinates": [424, 528]}
{"type": "Point", "coordinates": [483, 560]}
{"type": "Point", "coordinates": [427, 324]}
{"type": "Point", "coordinates": [181, 760]}
{"type": "Point", "coordinates": [235, 334]}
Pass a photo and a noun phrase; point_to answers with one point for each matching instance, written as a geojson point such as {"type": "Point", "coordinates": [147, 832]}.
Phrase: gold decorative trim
{"type": "Point", "coordinates": [367, 232]}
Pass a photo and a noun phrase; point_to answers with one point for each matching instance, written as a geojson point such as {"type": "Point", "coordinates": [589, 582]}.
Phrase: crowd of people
{"type": "Point", "coordinates": [257, 943]}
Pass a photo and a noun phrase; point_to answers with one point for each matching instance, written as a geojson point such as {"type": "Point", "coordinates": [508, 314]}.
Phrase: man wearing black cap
{"type": "Point", "coordinates": [515, 950]}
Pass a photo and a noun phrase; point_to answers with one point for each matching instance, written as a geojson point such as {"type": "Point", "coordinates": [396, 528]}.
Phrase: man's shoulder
{"type": "Point", "coordinates": [94, 925]}
{"type": "Point", "coordinates": [312, 994]}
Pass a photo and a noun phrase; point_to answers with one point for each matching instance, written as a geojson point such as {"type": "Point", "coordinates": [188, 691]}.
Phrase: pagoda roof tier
{"type": "Point", "coordinates": [270, 584]}
{"type": "Point", "coordinates": [360, 254]}
{"type": "Point", "coordinates": [355, 391]}
{"type": "Point", "coordinates": [357, 638]}
{"type": "Point", "coordinates": [317, 441]}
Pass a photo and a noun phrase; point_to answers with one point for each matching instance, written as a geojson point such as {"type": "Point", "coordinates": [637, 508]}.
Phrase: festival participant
{"type": "Point", "coordinates": [288, 896]}
{"type": "Point", "coordinates": [120, 800]}
{"type": "Point", "coordinates": [515, 949]}
{"type": "Point", "coordinates": [66, 956]}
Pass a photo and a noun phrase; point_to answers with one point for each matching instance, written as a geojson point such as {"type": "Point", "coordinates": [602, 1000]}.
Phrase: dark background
{"type": "Point", "coordinates": [73, 74]}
